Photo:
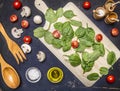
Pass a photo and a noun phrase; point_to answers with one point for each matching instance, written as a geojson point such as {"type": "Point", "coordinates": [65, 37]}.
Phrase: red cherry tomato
{"type": "Point", "coordinates": [115, 32]}
{"type": "Point", "coordinates": [13, 18]}
{"type": "Point", "coordinates": [110, 78]}
{"type": "Point", "coordinates": [17, 4]}
{"type": "Point", "coordinates": [56, 34]}
{"type": "Point", "coordinates": [86, 5]}
{"type": "Point", "coordinates": [75, 44]}
{"type": "Point", "coordinates": [27, 39]}
{"type": "Point", "coordinates": [99, 37]}
{"type": "Point", "coordinates": [24, 24]}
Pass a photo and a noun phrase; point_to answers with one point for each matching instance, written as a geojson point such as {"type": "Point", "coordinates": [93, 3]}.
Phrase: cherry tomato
{"type": "Point", "coordinates": [99, 37]}
{"type": "Point", "coordinates": [56, 34]}
{"type": "Point", "coordinates": [75, 44]}
{"type": "Point", "coordinates": [110, 79]}
{"type": "Point", "coordinates": [27, 39]}
{"type": "Point", "coordinates": [86, 5]}
{"type": "Point", "coordinates": [115, 32]}
{"type": "Point", "coordinates": [24, 24]}
{"type": "Point", "coordinates": [17, 4]}
{"type": "Point", "coordinates": [13, 18]}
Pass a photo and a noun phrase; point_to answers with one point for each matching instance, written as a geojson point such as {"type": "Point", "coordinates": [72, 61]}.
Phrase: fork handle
{"type": "Point", "coordinates": [2, 30]}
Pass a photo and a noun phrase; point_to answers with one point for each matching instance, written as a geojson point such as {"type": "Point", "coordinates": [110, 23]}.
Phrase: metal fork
{"type": "Point", "coordinates": [13, 46]}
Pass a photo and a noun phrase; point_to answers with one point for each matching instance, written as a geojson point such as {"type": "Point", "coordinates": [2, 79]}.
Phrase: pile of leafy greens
{"type": "Point", "coordinates": [86, 37]}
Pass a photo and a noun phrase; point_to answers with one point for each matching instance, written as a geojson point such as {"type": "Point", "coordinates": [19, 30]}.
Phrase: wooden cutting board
{"type": "Point", "coordinates": [77, 71]}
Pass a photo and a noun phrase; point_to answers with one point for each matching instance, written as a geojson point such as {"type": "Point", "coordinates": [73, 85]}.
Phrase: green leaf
{"type": "Point", "coordinates": [59, 12]}
{"type": "Point", "coordinates": [69, 14]}
{"type": "Point", "coordinates": [39, 32]}
{"type": "Point", "coordinates": [90, 56]}
{"type": "Point", "coordinates": [80, 48]}
{"type": "Point", "coordinates": [67, 31]}
{"type": "Point", "coordinates": [74, 59]}
{"type": "Point", "coordinates": [93, 76]}
{"type": "Point", "coordinates": [111, 58]}
{"type": "Point", "coordinates": [103, 71]}
{"type": "Point", "coordinates": [48, 37]}
{"type": "Point", "coordinates": [58, 26]}
{"type": "Point", "coordinates": [86, 42]}
{"type": "Point", "coordinates": [80, 32]}
{"type": "Point", "coordinates": [57, 43]}
{"type": "Point", "coordinates": [51, 16]}
{"type": "Point", "coordinates": [99, 47]}
{"type": "Point", "coordinates": [66, 45]}
{"type": "Point", "coordinates": [87, 66]}
{"type": "Point", "coordinates": [75, 23]}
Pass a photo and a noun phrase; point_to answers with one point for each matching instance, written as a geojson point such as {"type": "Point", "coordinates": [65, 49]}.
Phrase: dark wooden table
{"type": "Point", "coordinates": [70, 82]}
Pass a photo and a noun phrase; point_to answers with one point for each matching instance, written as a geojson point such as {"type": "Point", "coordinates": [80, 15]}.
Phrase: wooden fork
{"type": "Point", "coordinates": [13, 46]}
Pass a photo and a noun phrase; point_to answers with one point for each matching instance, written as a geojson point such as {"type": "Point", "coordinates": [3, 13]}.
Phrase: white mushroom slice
{"type": "Point", "coordinates": [26, 48]}
{"type": "Point", "coordinates": [16, 32]}
{"type": "Point", "coordinates": [37, 19]}
{"type": "Point", "coordinates": [26, 11]}
{"type": "Point", "coordinates": [41, 56]}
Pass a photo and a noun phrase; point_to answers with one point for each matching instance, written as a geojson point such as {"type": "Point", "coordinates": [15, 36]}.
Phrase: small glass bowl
{"type": "Point", "coordinates": [55, 75]}
{"type": "Point", "coordinates": [33, 74]}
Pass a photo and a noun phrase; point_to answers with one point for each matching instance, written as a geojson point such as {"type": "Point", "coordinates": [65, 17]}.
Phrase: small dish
{"type": "Point", "coordinates": [33, 74]}
{"type": "Point", "coordinates": [55, 75]}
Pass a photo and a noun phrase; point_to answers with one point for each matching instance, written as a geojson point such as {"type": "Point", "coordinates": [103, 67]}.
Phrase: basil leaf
{"type": "Point", "coordinates": [74, 59]}
{"type": "Point", "coordinates": [111, 58]}
{"type": "Point", "coordinates": [58, 26]}
{"type": "Point", "coordinates": [93, 76]}
{"type": "Point", "coordinates": [39, 32]}
{"type": "Point", "coordinates": [69, 14]}
{"type": "Point", "coordinates": [59, 12]}
{"type": "Point", "coordinates": [75, 23]}
{"type": "Point", "coordinates": [51, 16]}
{"type": "Point", "coordinates": [103, 71]}
{"type": "Point", "coordinates": [48, 37]}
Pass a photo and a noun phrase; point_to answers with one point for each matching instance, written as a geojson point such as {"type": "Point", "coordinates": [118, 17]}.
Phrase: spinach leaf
{"type": "Point", "coordinates": [59, 12]}
{"type": "Point", "coordinates": [56, 43]}
{"type": "Point", "coordinates": [69, 14]}
{"type": "Point", "coordinates": [86, 42]}
{"type": "Point", "coordinates": [50, 15]}
{"type": "Point", "coordinates": [87, 66]}
{"type": "Point", "coordinates": [74, 59]}
{"type": "Point", "coordinates": [90, 56]}
{"type": "Point", "coordinates": [66, 44]}
{"type": "Point", "coordinates": [93, 76]}
{"type": "Point", "coordinates": [58, 26]}
{"type": "Point", "coordinates": [103, 71]}
{"type": "Point", "coordinates": [48, 37]}
{"type": "Point", "coordinates": [39, 32]}
{"type": "Point", "coordinates": [80, 48]}
{"type": "Point", "coordinates": [75, 23]}
{"type": "Point", "coordinates": [80, 32]}
{"type": "Point", "coordinates": [67, 31]}
{"type": "Point", "coordinates": [99, 47]}
{"type": "Point", "coordinates": [111, 58]}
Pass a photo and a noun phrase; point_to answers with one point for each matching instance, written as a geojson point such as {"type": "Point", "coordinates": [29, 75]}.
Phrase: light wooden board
{"type": "Point", "coordinates": [77, 71]}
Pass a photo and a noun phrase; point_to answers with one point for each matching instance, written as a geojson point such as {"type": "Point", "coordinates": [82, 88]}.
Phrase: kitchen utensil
{"type": "Point", "coordinates": [13, 46]}
{"type": "Point", "coordinates": [112, 17]}
{"type": "Point", "coordinates": [110, 5]}
{"type": "Point", "coordinates": [9, 74]}
{"type": "Point", "coordinates": [80, 16]}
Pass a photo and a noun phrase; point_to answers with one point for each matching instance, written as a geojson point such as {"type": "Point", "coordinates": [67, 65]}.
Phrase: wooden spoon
{"type": "Point", "coordinates": [9, 74]}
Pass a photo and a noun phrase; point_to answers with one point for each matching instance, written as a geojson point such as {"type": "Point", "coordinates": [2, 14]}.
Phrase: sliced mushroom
{"type": "Point", "coordinates": [41, 56]}
{"type": "Point", "coordinates": [16, 32]}
{"type": "Point", "coordinates": [26, 48]}
{"type": "Point", "coordinates": [26, 11]}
